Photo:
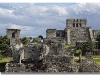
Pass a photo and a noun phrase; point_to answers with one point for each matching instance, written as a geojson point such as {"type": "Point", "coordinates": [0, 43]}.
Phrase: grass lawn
{"type": "Point", "coordinates": [3, 63]}
{"type": "Point", "coordinates": [95, 57]}
{"type": "Point", "coordinates": [4, 60]}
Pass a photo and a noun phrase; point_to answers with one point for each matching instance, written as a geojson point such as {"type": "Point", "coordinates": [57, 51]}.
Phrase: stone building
{"type": "Point", "coordinates": [76, 30]}
{"type": "Point", "coordinates": [13, 35]}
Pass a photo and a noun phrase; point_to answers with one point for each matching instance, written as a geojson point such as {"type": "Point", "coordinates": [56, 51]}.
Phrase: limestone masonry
{"type": "Point", "coordinates": [76, 30]}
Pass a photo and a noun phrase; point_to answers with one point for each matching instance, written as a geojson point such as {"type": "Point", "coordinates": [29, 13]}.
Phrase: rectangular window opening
{"type": "Point", "coordinates": [13, 35]}
{"type": "Point", "coordinates": [76, 24]}
{"type": "Point", "coordinates": [73, 24]}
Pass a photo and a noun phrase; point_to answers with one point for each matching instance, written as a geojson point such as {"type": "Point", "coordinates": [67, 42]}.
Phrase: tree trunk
{"type": "Point", "coordinates": [80, 56]}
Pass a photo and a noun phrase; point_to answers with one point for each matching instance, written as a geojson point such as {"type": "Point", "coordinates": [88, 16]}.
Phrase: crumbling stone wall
{"type": "Point", "coordinates": [35, 51]}
{"type": "Point", "coordinates": [31, 51]}
{"type": "Point", "coordinates": [79, 34]}
{"type": "Point", "coordinates": [60, 33]}
{"type": "Point", "coordinates": [90, 33]}
{"type": "Point", "coordinates": [17, 49]}
{"type": "Point", "coordinates": [57, 59]}
{"type": "Point", "coordinates": [14, 67]}
{"type": "Point", "coordinates": [89, 65]}
{"type": "Point", "coordinates": [51, 33]}
{"type": "Point", "coordinates": [95, 33]}
{"type": "Point", "coordinates": [54, 40]}
{"type": "Point", "coordinates": [13, 35]}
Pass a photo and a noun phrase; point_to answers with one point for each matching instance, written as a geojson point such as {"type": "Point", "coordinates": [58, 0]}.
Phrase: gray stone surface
{"type": "Point", "coordinates": [76, 30]}
{"type": "Point", "coordinates": [13, 35]}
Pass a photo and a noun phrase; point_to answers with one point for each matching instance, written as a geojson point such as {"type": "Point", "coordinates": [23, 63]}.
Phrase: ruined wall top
{"type": "Point", "coordinates": [51, 33]}
{"type": "Point", "coordinates": [49, 30]}
{"type": "Point", "coordinates": [76, 22]}
{"type": "Point", "coordinates": [14, 29]}
{"type": "Point", "coordinates": [13, 33]}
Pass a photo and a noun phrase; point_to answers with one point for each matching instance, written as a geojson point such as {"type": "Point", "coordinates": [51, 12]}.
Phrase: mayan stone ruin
{"type": "Point", "coordinates": [51, 55]}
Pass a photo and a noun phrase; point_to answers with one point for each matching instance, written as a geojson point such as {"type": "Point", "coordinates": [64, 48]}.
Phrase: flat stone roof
{"type": "Point", "coordinates": [12, 29]}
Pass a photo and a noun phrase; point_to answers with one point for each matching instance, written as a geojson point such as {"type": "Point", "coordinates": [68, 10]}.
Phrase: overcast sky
{"type": "Point", "coordinates": [34, 19]}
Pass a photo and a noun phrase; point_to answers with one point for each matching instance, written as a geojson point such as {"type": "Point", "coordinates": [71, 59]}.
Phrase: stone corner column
{"type": "Point", "coordinates": [68, 36]}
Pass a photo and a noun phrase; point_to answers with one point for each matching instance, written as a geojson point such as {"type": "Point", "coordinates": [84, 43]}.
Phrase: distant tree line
{"type": "Point", "coordinates": [26, 40]}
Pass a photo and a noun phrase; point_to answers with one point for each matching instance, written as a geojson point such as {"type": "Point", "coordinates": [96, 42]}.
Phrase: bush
{"type": "Point", "coordinates": [25, 40]}
{"type": "Point", "coordinates": [36, 41]}
{"type": "Point", "coordinates": [87, 46]}
{"type": "Point", "coordinates": [4, 47]}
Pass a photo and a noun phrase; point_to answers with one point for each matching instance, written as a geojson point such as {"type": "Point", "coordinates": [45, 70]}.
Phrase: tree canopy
{"type": "Point", "coordinates": [25, 40]}
{"type": "Point", "coordinates": [4, 47]}
{"type": "Point", "coordinates": [88, 46]}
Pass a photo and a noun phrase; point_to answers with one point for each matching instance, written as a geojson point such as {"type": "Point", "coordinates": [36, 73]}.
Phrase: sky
{"type": "Point", "coordinates": [34, 18]}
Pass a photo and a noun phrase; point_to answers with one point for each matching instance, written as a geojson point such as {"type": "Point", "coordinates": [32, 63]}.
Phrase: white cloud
{"type": "Point", "coordinates": [86, 8]}
{"type": "Point", "coordinates": [34, 19]}
{"type": "Point", "coordinates": [6, 11]}
{"type": "Point", "coordinates": [25, 28]}
{"type": "Point", "coordinates": [28, 30]}
{"type": "Point", "coordinates": [35, 10]}
{"type": "Point", "coordinates": [8, 16]}
{"type": "Point", "coordinates": [60, 10]}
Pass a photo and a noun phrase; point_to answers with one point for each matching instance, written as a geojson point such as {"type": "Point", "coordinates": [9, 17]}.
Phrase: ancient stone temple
{"type": "Point", "coordinates": [51, 55]}
{"type": "Point", "coordinates": [76, 30]}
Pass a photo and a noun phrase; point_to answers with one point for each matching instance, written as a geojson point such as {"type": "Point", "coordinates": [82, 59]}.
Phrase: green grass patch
{"type": "Point", "coordinates": [96, 58]}
{"type": "Point", "coordinates": [78, 51]}
{"type": "Point", "coordinates": [69, 45]}
{"type": "Point", "coordinates": [76, 58]}
{"type": "Point", "coordinates": [4, 60]}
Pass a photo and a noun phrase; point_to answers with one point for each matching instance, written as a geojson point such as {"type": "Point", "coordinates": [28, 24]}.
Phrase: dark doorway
{"type": "Point", "coordinates": [13, 35]}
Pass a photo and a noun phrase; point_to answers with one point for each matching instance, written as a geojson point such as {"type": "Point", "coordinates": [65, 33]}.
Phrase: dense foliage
{"type": "Point", "coordinates": [36, 41]}
{"type": "Point", "coordinates": [87, 46]}
{"type": "Point", "coordinates": [4, 47]}
{"type": "Point", "coordinates": [25, 40]}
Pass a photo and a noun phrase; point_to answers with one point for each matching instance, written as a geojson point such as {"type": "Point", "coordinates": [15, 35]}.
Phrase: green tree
{"type": "Point", "coordinates": [1, 55]}
{"type": "Point", "coordinates": [4, 47]}
{"type": "Point", "coordinates": [3, 39]}
{"type": "Point", "coordinates": [88, 46]}
{"type": "Point", "coordinates": [25, 40]}
{"type": "Point", "coordinates": [36, 41]}
{"type": "Point", "coordinates": [79, 51]}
